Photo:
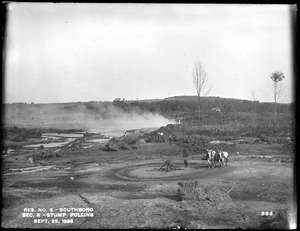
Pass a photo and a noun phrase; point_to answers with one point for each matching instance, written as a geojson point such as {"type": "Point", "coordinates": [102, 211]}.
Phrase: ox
{"type": "Point", "coordinates": [224, 157]}
{"type": "Point", "coordinates": [212, 158]}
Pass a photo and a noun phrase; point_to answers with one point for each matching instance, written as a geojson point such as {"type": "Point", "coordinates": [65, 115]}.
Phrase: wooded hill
{"type": "Point", "coordinates": [189, 103]}
{"type": "Point", "coordinates": [163, 106]}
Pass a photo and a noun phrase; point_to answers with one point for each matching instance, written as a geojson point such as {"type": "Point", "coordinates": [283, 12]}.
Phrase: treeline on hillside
{"type": "Point", "coordinates": [166, 106]}
{"type": "Point", "coordinates": [207, 103]}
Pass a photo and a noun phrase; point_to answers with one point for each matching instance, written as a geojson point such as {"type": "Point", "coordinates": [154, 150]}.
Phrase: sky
{"type": "Point", "coordinates": [70, 52]}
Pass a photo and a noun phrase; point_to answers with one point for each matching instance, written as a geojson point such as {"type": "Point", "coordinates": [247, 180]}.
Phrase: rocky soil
{"type": "Point", "coordinates": [121, 182]}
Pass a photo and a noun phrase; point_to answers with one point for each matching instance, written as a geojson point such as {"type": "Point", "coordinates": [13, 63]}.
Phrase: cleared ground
{"type": "Point", "coordinates": [125, 188]}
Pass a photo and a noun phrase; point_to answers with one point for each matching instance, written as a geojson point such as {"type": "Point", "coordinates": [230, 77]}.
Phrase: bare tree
{"type": "Point", "coordinates": [253, 97]}
{"type": "Point", "coordinates": [200, 83]}
{"type": "Point", "coordinates": [277, 77]}
{"type": "Point", "coordinates": [256, 102]}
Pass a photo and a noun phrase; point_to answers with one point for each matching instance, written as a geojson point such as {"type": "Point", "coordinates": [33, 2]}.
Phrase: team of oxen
{"type": "Point", "coordinates": [216, 157]}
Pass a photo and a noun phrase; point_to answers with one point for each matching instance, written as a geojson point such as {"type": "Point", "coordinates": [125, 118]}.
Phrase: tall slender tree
{"type": "Point", "coordinates": [200, 83]}
{"type": "Point", "coordinates": [255, 107]}
{"type": "Point", "coordinates": [276, 77]}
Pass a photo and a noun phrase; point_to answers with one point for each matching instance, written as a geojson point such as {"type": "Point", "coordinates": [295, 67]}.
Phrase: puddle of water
{"type": "Point", "coordinates": [29, 169]}
{"type": "Point", "coordinates": [98, 140]}
{"type": "Point", "coordinates": [107, 132]}
{"type": "Point", "coordinates": [88, 146]}
{"type": "Point", "coordinates": [50, 137]}
{"type": "Point", "coordinates": [10, 150]}
{"type": "Point", "coordinates": [50, 145]}
{"type": "Point", "coordinates": [113, 132]}
{"type": "Point", "coordinates": [68, 135]}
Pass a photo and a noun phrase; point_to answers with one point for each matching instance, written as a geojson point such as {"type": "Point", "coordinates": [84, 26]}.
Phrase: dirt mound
{"type": "Point", "coordinates": [132, 138]}
{"type": "Point", "coordinates": [115, 144]}
{"type": "Point", "coordinates": [170, 130]}
{"type": "Point", "coordinates": [263, 138]}
{"type": "Point", "coordinates": [204, 195]}
{"type": "Point", "coordinates": [141, 141]}
{"type": "Point", "coordinates": [193, 142]}
{"type": "Point", "coordinates": [41, 147]}
{"type": "Point", "coordinates": [131, 141]}
{"type": "Point", "coordinates": [45, 154]}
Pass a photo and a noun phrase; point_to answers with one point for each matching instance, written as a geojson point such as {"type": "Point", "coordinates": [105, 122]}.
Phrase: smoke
{"type": "Point", "coordinates": [128, 121]}
{"type": "Point", "coordinates": [113, 118]}
{"type": "Point", "coordinates": [98, 115]}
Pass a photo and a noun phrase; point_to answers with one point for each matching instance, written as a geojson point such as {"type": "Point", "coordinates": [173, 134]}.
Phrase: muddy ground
{"type": "Point", "coordinates": [125, 189]}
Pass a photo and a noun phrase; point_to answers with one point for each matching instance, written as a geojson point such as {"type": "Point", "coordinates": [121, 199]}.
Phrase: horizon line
{"type": "Point", "coordinates": [146, 99]}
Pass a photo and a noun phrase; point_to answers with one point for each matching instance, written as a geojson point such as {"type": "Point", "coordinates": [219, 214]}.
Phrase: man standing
{"type": "Point", "coordinates": [170, 139]}
{"type": "Point", "coordinates": [185, 154]}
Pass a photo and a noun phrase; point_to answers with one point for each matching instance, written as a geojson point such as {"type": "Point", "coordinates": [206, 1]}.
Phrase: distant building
{"type": "Point", "coordinates": [216, 109]}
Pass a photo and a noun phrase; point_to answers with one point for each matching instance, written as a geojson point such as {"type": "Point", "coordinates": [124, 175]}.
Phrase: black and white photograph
{"type": "Point", "coordinates": [148, 116]}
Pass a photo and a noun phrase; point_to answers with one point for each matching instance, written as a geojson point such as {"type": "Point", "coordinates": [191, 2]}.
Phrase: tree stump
{"type": "Point", "coordinates": [167, 166]}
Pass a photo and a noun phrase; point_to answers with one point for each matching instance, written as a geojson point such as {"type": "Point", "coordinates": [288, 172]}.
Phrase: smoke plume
{"type": "Point", "coordinates": [101, 115]}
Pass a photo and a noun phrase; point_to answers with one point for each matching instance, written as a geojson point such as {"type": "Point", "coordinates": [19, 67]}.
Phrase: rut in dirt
{"type": "Point", "coordinates": [202, 172]}
{"type": "Point", "coordinates": [75, 186]}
